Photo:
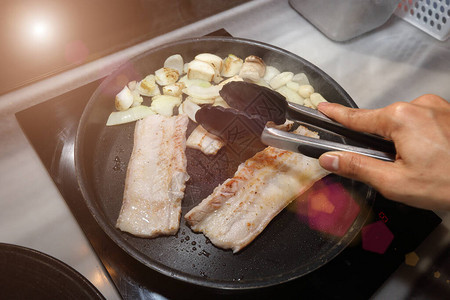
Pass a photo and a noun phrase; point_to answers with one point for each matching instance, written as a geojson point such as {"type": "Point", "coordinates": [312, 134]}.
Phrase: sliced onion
{"type": "Point", "coordinates": [199, 92]}
{"type": "Point", "coordinates": [175, 62]}
{"type": "Point", "coordinates": [129, 115]}
{"type": "Point", "coordinates": [306, 90]}
{"type": "Point", "coordinates": [300, 78]}
{"type": "Point", "coordinates": [190, 108]}
{"type": "Point", "coordinates": [290, 95]}
{"type": "Point", "coordinates": [188, 82]}
{"type": "Point", "coordinates": [281, 79]}
{"type": "Point", "coordinates": [294, 86]}
{"type": "Point", "coordinates": [234, 78]}
{"type": "Point", "coordinates": [316, 98]}
{"type": "Point", "coordinates": [200, 101]}
{"type": "Point", "coordinates": [124, 99]}
{"type": "Point", "coordinates": [270, 73]}
{"type": "Point", "coordinates": [219, 101]}
{"type": "Point", "coordinates": [308, 103]}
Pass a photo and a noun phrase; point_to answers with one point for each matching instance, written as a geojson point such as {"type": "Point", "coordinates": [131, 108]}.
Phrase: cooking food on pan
{"type": "Point", "coordinates": [188, 86]}
{"type": "Point", "coordinates": [156, 176]}
{"type": "Point", "coordinates": [240, 208]}
{"type": "Point", "coordinates": [251, 108]}
{"type": "Point", "coordinates": [204, 141]}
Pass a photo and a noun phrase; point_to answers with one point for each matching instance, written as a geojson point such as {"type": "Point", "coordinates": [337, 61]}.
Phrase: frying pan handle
{"type": "Point", "coordinates": [314, 117]}
{"type": "Point", "coordinates": [314, 147]}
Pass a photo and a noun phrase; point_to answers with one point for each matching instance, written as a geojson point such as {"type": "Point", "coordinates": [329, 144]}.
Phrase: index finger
{"type": "Point", "coordinates": [367, 120]}
{"type": "Point", "coordinates": [431, 101]}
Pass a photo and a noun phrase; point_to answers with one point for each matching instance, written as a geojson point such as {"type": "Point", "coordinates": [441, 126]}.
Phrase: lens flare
{"type": "Point", "coordinates": [40, 29]}
{"type": "Point", "coordinates": [328, 207]}
{"type": "Point", "coordinates": [376, 237]}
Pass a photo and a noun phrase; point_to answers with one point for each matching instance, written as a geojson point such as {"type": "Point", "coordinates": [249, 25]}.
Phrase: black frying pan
{"type": "Point", "coordinates": [302, 238]}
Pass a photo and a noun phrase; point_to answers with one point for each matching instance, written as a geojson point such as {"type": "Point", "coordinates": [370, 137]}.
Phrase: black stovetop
{"type": "Point", "coordinates": [356, 273]}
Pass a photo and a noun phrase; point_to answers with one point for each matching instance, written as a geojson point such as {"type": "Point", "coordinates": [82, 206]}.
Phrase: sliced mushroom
{"type": "Point", "coordinates": [175, 89]}
{"type": "Point", "coordinates": [231, 65]}
{"type": "Point", "coordinates": [253, 68]}
{"type": "Point", "coordinates": [148, 86]}
{"type": "Point", "coordinates": [198, 69]}
{"type": "Point", "coordinates": [212, 59]}
{"type": "Point", "coordinates": [165, 76]}
{"type": "Point", "coordinates": [215, 61]}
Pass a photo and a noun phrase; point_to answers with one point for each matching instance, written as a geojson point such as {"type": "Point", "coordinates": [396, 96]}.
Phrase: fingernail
{"type": "Point", "coordinates": [322, 105]}
{"type": "Point", "coordinates": [329, 161]}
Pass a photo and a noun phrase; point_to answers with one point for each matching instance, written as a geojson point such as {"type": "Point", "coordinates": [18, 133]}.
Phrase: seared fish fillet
{"type": "Point", "coordinates": [240, 208]}
{"type": "Point", "coordinates": [156, 176]}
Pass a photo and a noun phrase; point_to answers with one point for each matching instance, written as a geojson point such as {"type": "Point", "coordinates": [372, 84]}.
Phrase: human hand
{"type": "Point", "coordinates": [420, 130]}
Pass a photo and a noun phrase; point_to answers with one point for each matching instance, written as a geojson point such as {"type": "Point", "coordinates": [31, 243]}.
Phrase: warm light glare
{"type": "Point", "coordinates": [328, 207]}
{"type": "Point", "coordinates": [97, 278]}
{"type": "Point", "coordinates": [41, 30]}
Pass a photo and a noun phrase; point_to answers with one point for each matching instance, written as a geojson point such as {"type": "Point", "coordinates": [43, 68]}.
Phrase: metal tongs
{"type": "Point", "coordinates": [253, 106]}
{"type": "Point", "coordinates": [375, 146]}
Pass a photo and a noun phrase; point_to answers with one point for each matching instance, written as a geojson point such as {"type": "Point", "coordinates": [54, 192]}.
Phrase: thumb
{"type": "Point", "coordinates": [355, 166]}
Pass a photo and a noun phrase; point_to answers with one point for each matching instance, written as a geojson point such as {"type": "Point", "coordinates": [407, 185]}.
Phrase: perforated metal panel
{"type": "Point", "coordinates": [432, 16]}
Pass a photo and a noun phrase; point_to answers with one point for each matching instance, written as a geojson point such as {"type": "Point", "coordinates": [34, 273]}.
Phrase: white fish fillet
{"type": "Point", "coordinates": [156, 176]}
{"type": "Point", "coordinates": [240, 208]}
